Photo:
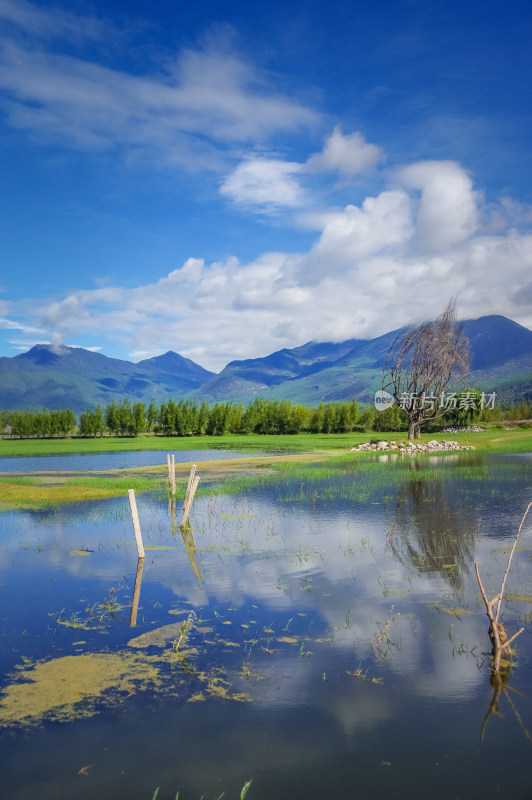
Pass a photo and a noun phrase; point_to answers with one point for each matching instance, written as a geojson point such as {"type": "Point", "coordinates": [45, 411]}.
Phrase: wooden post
{"type": "Point", "coordinates": [190, 500]}
{"type": "Point", "coordinates": [189, 484]}
{"type": "Point", "coordinates": [169, 469]}
{"type": "Point", "coordinates": [136, 524]}
{"type": "Point", "coordinates": [173, 474]}
{"type": "Point", "coordinates": [136, 594]}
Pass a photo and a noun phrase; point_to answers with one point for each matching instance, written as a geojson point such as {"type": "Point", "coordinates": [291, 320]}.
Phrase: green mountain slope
{"type": "Point", "coordinates": [243, 380]}
{"type": "Point", "coordinates": [501, 361]}
{"type": "Point", "coordinates": [501, 352]}
{"type": "Point", "coordinates": [77, 378]}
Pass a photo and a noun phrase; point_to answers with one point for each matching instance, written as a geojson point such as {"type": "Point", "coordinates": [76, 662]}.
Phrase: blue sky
{"type": "Point", "coordinates": [232, 178]}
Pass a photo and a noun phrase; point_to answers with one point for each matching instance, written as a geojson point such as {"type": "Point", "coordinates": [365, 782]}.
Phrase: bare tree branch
{"type": "Point", "coordinates": [424, 363]}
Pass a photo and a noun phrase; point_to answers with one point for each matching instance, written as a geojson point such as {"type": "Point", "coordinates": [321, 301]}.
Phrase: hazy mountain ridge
{"type": "Point", "coordinates": [255, 375]}
{"type": "Point", "coordinates": [314, 372]}
{"type": "Point", "coordinates": [78, 378]}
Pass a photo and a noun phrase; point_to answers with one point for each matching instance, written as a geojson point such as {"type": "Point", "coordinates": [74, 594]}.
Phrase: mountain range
{"type": "Point", "coordinates": [46, 376]}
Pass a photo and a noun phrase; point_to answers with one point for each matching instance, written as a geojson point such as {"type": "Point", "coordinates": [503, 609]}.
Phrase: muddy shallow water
{"type": "Point", "coordinates": [320, 633]}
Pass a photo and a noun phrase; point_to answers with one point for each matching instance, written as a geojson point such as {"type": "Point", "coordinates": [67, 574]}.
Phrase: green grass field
{"type": "Point", "coordinates": [42, 447]}
{"type": "Point", "coordinates": [42, 491]}
{"type": "Point", "coordinates": [495, 439]}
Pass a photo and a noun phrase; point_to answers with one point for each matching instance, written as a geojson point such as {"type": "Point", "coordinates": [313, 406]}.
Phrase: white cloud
{"type": "Point", "coordinates": [447, 212]}
{"type": "Point", "coordinates": [188, 113]}
{"type": "Point", "coordinates": [12, 325]}
{"type": "Point", "coordinates": [237, 311]}
{"type": "Point", "coordinates": [41, 23]}
{"type": "Point", "coordinates": [349, 154]}
{"type": "Point", "coordinates": [507, 213]}
{"type": "Point", "coordinates": [271, 184]}
{"type": "Point", "coordinates": [366, 274]}
{"type": "Point", "coordinates": [266, 183]}
{"type": "Point", "coordinates": [357, 233]}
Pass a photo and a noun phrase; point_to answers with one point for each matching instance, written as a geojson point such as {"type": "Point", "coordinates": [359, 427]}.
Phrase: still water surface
{"type": "Point", "coordinates": [335, 646]}
{"type": "Point", "coordinates": [100, 461]}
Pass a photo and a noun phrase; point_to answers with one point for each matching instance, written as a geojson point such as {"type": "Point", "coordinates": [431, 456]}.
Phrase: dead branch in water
{"type": "Point", "coordinates": [499, 639]}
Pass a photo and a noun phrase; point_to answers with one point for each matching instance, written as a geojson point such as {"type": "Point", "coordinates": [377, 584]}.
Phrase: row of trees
{"type": "Point", "coordinates": [31, 424]}
{"type": "Point", "coordinates": [189, 418]}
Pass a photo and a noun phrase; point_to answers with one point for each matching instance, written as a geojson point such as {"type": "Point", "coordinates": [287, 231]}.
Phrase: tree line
{"type": "Point", "coordinates": [32, 424]}
{"type": "Point", "coordinates": [190, 418]}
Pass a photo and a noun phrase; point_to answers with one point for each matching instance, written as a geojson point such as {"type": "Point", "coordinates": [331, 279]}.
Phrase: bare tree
{"type": "Point", "coordinates": [423, 364]}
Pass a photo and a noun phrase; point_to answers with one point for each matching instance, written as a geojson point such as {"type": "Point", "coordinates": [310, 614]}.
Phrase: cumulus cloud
{"type": "Point", "coordinates": [349, 154]}
{"type": "Point", "coordinates": [447, 212]}
{"type": "Point", "coordinates": [375, 266]}
{"type": "Point", "coordinates": [271, 184]}
{"type": "Point", "coordinates": [265, 183]}
{"type": "Point", "coordinates": [234, 311]}
{"type": "Point", "coordinates": [357, 233]}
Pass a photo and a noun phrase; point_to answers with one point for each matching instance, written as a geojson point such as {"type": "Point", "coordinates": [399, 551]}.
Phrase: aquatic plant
{"type": "Point", "coordinates": [243, 792]}
{"type": "Point", "coordinates": [184, 631]}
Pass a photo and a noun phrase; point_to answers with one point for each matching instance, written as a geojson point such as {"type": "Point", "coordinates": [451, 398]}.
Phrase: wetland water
{"type": "Point", "coordinates": [102, 461]}
{"type": "Point", "coordinates": [320, 633]}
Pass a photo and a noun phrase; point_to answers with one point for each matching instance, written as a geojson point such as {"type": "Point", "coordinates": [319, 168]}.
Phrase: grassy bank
{"type": "Point", "coordinates": [46, 489]}
{"type": "Point", "coordinates": [169, 444]}
{"type": "Point", "coordinates": [495, 440]}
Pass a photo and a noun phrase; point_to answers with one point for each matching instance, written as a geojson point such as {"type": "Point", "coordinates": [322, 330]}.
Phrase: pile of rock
{"type": "Point", "coordinates": [469, 429]}
{"type": "Point", "coordinates": [410, 447]}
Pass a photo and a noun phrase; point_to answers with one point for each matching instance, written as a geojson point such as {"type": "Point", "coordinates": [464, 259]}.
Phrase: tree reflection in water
{"type": "Point", "coordinates": [499, 680]}
{"type": "Point", "coordinates": [431, 532]}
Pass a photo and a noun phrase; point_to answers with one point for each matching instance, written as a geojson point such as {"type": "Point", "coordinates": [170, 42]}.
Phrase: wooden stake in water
{"type": "Point", "coordinates": [136, 523]}
{"type": "Point", "coordinates": [169, 469]}
{"type": "Point", "coordinates": [173, 474]}
{"type": "Point", "coordinates": [190, 495]}
{"type": "Point", "coordinates": [136, 594]}
{"type": "Point", "coordinates": [189, 484]}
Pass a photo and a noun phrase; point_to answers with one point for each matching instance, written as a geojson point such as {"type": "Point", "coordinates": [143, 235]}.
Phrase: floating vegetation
{"type": "Point", "coordinates": [68, 688]}
{"type": "Point", "coordinates": [73, 687]}
{"type": "Point", "coordinates": [160, 547]}
{"type": "Point", "coordinates": [159, 637]}
{"type": "Point", "coordinates": [518, 598]}
{"type": "Point", "coordinates": [75, 622]}
{"type": "Point", "coordinates": [456, 612]}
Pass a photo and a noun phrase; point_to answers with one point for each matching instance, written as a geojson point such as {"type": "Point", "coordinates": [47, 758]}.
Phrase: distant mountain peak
{"type": "Point", "coordinates": [50, 375]}
{"type": "Point", "coordinates": [41, 354]}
